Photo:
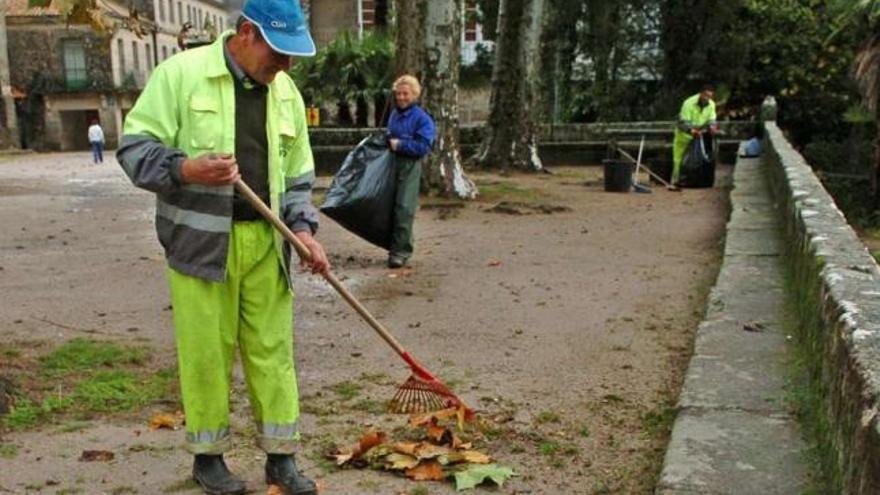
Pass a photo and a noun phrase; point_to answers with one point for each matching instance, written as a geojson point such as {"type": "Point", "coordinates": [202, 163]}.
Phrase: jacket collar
{"type": "Point", "coordinates": [217, 61]}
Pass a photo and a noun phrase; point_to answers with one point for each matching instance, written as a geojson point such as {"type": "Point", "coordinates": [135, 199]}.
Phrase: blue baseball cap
{"type": "Point", "coordinates": [282, 25]}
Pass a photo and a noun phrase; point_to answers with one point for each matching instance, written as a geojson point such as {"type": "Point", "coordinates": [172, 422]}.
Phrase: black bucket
{"type": "Point", "coordinates": [618, 175]}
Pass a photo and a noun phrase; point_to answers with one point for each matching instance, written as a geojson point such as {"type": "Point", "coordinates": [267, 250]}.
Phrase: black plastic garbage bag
{"type": "Point", "coordinates": [361, 196]}
{"type": "Point", "coordinates": [698, 162]}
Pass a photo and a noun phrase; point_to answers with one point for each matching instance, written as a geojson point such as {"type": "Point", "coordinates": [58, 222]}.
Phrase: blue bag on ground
{"type": "Point", "coordinates": [361, 196]}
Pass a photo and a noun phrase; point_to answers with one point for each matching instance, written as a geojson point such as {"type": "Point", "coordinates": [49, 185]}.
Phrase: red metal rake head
{"type": "Point", "coordinates": [423, 392]}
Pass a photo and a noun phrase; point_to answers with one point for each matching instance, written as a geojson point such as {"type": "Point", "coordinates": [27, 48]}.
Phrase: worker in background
{"type": "Point", "coordinates": [697, 116]}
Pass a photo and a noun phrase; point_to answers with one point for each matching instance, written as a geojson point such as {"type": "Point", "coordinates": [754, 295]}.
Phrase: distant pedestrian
{"type": "Point", "coordinates": [410, 136]}
{"type": "Point", "coordinates": [96, 139]}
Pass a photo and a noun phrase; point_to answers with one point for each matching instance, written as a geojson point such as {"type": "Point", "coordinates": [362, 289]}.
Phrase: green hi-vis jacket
{"type": "Point", "coordinates": [188, 109]}
{"type": "Point", "coordinates": [692, 116]}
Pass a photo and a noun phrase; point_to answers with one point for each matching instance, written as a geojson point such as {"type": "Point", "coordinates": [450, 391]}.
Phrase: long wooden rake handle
{"type": "Point", "coordinates": [304, 253]}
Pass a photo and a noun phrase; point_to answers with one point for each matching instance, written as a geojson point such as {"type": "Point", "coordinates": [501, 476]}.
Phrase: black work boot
{"type": "Point", "coordinates": [214, 477]}
{"type": "Point", "coordinates": [281, 470]}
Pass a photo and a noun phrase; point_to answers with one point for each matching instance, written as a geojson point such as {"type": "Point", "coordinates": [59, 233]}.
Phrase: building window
{"type": "Point", "coordinates": [162, 11]}
{"type": "Point", "coordinates": [135, 61]}
{"type": "Point", "coordinates": [120, 49]}
{"type": "Point", "coordinates": [199, 20]}
{"type": "Point", "coordinates": [470, 20]}
{"type": "Point", "coordinates": [75, 64]}
{"type": "Point", "coordinates": [174, 50]}
{"type": "Point", "coordinates": [148, 56]}
{"type": "Point", "coordinates": [180, 12]}
{"type": "Point", "coordinates": [170, 11]}
{"type": "Point", "coordinates": [368, 13]}
{"type": "Point", "coordinates": [164, 52]}
{"type": "Point", "coordinates": [189, 14]}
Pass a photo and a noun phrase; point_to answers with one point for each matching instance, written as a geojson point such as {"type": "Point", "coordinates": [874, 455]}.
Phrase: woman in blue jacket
{"type": "Point", "coordinates": [410, 135]}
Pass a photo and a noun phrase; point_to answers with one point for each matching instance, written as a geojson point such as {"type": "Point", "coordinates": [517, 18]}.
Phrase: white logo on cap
{"type": "Point", "coordinates": [279, 24]}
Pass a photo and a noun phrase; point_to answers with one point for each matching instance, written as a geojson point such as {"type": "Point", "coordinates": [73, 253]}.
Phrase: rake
{"type": "Point", "coordinates": [423, 391]}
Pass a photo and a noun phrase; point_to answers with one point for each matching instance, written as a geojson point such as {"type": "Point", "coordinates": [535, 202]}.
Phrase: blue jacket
{"type": "Point", "coordinates": [414, 128]}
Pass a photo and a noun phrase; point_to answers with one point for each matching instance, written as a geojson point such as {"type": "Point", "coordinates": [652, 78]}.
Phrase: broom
{"type": "Point", "coordinates": [423, 391]}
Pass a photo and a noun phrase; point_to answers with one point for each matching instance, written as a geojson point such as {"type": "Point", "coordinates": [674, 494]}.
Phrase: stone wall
{"type": "Point", "coordinates": [560, 144]}
{"type": "Point", "coordinates": [837, 293]}
{"type": "Point", "coordinates": [36, 56]}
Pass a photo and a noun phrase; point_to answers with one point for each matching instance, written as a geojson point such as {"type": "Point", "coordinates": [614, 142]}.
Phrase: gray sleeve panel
{"type": "Point", "coordinates": [296, 203]}
{"type": "Point", "coordinates": [684, 126]}
{"type": "Point", "coordinates": [150, 164]}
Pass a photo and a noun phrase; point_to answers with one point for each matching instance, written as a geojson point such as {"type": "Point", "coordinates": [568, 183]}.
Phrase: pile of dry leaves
{"type": "Point", "coordinates": [432, 451]}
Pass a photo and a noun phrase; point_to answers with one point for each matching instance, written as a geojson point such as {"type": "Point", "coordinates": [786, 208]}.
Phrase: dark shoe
{"type": "Point", "coordinates": [395, 261]}
{"type": "Point", "coordinates": [281, 471]}
{"type": "Point", "coordinates": [214, 477]}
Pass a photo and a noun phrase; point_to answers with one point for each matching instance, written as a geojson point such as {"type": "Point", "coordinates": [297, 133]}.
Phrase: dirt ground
{"type": "Point", "coordinates": [569, 331]}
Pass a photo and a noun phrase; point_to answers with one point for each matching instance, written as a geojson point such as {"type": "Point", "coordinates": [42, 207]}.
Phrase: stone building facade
{"type": "Point", "coordinates": [65, 76]}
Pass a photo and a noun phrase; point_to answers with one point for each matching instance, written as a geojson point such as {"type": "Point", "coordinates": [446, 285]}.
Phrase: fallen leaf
{"type": "Point", "coordinates": [320, 486]}
{"type": "Point", "coordinates": [426, 471]}
{"type": "Point", "coordinates": [429, 451]}
{"type": "Point", "coordinates": [436, 432]}
{"type": "Point", "coordinates": [408, 448]}
{"type": "Point", "coordinates": [468, 456]}
{"type": "Point", "coordinates": [96, 455]}
{"type": "Point", "coordinates": [370, 440]}
{"type": "Point", "coordinates": [399, 462]}
{"type": "Point", "coordinates": [275, 490]}
{"type": "Point", "coordinates": [494, 262]}
{"type": "Point", "coordinates": [342, 457]}
{"type": "Point", "coordinates": [478, 473]}
{"type": "Point", "coordinates": [433, 417]}
{"type": "Point", "coordinates": [164, 420]}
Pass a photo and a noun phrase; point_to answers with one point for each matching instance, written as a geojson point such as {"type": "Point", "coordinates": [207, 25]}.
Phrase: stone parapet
{"type": "Point", "coordinates": [837, 291]}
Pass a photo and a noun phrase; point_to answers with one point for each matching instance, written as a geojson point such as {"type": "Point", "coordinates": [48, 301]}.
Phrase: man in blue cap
{"type": "Point", "coordinates": [208, 117]}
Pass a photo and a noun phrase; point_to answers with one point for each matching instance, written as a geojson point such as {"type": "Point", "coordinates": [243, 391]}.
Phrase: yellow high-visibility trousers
{"type": "Point", "coordinates": [251, 311]}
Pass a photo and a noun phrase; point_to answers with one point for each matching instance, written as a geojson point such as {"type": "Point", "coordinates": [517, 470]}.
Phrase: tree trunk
{"type": "Point", "coordinates": [442, 44]}
{"type": "Point", "coordinates": [411, 17]}
{"type": "Point", "coordinates": [510, 140]}
{"type": "Point", "coordinates": [361, 112]}
{"type": "Point", "coordinates": [9, 117]}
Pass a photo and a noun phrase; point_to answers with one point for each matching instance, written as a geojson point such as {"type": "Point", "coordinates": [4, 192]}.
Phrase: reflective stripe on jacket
{"type": "Point", "coordinates": [188, 109]}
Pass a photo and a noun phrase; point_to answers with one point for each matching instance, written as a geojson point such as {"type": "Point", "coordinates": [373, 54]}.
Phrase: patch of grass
{"type": "Point", "coordinates": [10, 353]}
{"type": "Point", "coordinates": [84, 355]}
{"type": "Point", "coordinates": [494, 191]}
{"type": "Point", "coordinates": [370, 406]}
{"type": "Point", "coordinates": [547, 417]}
{"type": "Point", "coordinates": [69, 491]}
{"type": "Point", "coordinates": [181, 486]}
{"type": "Point", "coordinates": [24, 414]}
{"type": "Point", "coordinates": [347, 390]}
{"type": "Point", "coordinates": [600, 488]}
{"type": "Point", "coordinates": [116, 391]}
{"type": "Point", "coordinates": [549, 448]}
{"type": "Point", "coordinates": [419, 490]}
{"type": "Point", "coordinates": [658, 423]}
{"type": "Point", "coordinates": [121, 490]}
{"type": "Point", "coordinates": [585, 431]}
{"type": "Point", "coordinates": [8, 451]}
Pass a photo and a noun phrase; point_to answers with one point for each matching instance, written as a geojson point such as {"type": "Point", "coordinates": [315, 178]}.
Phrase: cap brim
{"type": "Point", "coordinates": [297, 45]}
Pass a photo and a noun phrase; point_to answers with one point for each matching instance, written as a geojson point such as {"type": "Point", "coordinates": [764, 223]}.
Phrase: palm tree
{"type": "Point", "coordinates": [866, 13]}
